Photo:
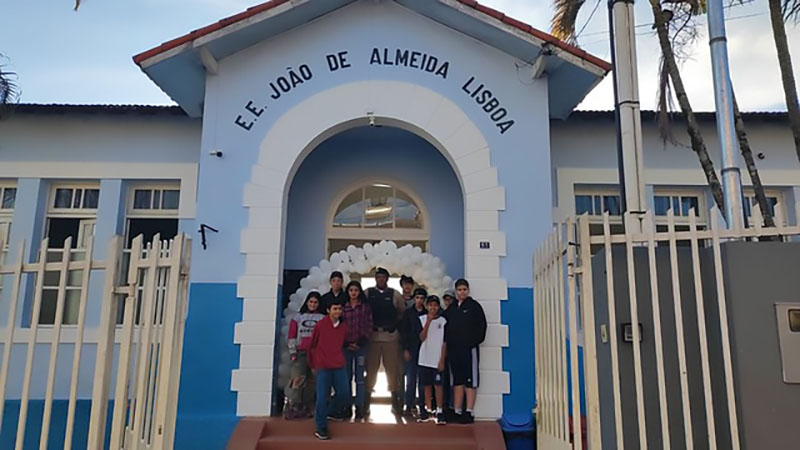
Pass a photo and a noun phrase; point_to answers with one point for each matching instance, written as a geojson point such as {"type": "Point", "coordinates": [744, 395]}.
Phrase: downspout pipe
{"type": "Point", "coordinates": [627, 108]}
{"type": "Point", "coordinates": [723, 100]}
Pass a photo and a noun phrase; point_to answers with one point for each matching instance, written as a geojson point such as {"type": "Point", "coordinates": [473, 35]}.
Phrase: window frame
{"type": "Point", "coordinates": [421, 234]}
{"type": "Point", "coordinates": [131, 212]}
{"type": "Point", "coordinates": [52, 211]}
{"type": "Point", "coordinates": [701, 218]}
{"type": "Point", "coordinates": [750, 193]}
{"type": "Point", "coordinates": [606, 190]}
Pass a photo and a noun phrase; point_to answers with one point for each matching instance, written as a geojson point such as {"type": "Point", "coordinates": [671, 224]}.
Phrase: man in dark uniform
{"type": "Point", "coordinates": [387, 310]}
{"type": "Point", "coordinates": [336, 294]}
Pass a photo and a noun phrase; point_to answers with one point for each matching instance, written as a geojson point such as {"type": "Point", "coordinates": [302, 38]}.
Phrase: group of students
{"type": "Point", "coordinates": [430, 352]}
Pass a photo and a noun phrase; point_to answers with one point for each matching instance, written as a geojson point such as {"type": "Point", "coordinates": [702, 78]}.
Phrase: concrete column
{"type": "Point", "coordinates": [27, 226]}
{"type": "Point", "coordinates": [110, 221]}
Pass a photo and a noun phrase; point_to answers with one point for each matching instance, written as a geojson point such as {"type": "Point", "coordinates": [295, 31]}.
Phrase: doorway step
{"type": "Point", "coordinates": [274, 433]}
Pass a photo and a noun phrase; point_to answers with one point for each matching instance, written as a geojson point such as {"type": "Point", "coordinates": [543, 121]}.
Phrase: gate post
{"type": "Point", "coordinates": [105, 348]}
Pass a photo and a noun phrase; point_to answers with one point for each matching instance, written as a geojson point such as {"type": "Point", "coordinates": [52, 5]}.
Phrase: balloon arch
{"type": "Point", "coordinates": [426, 269]}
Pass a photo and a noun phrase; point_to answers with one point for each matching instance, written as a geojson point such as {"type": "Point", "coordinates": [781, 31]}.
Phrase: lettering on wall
{"type": "Point", "coordinates": [294, 78]}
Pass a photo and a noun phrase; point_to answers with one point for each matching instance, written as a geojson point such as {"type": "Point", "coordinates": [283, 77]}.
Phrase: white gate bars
{"type": "Point", "coordinates": [563, 263]}
{"type": "Point", "coordinates": [154, 298]}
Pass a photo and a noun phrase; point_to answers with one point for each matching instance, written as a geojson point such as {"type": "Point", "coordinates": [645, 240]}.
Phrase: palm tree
{"type": "Point", "coordinates": [777, 14]}
{"type": "Point", "coordinates": [563, 27]}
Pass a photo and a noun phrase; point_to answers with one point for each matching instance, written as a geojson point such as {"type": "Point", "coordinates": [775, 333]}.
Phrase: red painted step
{"type": "Point", "coordinates": [278, 434]}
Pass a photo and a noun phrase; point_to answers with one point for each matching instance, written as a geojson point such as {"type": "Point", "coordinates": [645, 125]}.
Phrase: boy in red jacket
{"type": "Point", "coordinates": [326, 358]}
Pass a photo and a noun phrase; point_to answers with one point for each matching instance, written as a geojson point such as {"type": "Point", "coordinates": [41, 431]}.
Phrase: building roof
{"type": "Point", "coordinates": [107, 109]}
{"type": "Point", "coordinates": [177, 66]}
{"type": "Point", "coordinates": [173, 110]}
{"type": "Point", "coordinates": [141, 58]}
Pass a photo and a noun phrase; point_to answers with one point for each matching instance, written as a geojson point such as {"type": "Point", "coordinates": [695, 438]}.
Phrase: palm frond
{"type": "Point", "coordinates": [9, 90]}
{"type": "Point", "coordinates": [665, 105]}
{"type": "Point", "coordinates": [565, 19]}
{"type": "Point", "coordinates": [791, 10]}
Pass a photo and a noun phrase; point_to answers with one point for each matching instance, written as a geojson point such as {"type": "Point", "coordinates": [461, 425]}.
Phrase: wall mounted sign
{"type": "Point", "coordinates": [294, 78]}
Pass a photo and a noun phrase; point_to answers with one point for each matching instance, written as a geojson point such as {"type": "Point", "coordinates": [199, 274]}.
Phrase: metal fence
{"type": "Point", "coordinates": [148, 341]}
{"type": "Point", "coordinates": [566, 267]}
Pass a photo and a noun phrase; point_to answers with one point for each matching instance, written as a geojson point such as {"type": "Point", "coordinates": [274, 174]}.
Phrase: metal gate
{"type": "Point", "coordinates": [142, 303]}
{"type": "Point", "coordinates": [564, 319]}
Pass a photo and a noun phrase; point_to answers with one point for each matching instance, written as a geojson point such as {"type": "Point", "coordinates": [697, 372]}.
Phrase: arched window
{"type": "Point", "coordinates": [374, 211]}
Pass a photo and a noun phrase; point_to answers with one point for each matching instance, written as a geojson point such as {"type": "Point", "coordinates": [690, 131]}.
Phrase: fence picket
{"type": "Point", "coordinates": [724, 332]}
{"type": "Point", "coordinates": [701, 327]}
{"type": "Point", "coordinates": [591, 379]}
{"type": "Point", "coordinates": [8, 342]}
{"type": "Point", "coordinates": [61, 299]}
{"type": "Point", "coordinates": [577, 434]}
{"type": "Point", "coordinates": [612, 331]}
{"type": "Point", "coordinates": [118, 420]}
{"type": "Point", "coordinates": [650, 227]}
{"type": "Point", "coordinates": [679, 333]}
{"type": "Point", "coordinates": [34, 328]}
{"type": "Point", "coordinates": [635, 332]}
{"type": "Point", "coordinates": [105, 349]}
{"type": "Point", "coordinates": [561, 246]}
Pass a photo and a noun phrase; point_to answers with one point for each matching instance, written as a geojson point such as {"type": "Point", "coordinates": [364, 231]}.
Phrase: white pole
{"type": "Point", "coordinates": [723, 99]}
{"type": "Point", "coordinates": [626, 80]}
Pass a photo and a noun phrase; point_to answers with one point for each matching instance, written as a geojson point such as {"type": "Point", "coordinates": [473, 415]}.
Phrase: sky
{"type": "Point", "coordinates": [62, 56]}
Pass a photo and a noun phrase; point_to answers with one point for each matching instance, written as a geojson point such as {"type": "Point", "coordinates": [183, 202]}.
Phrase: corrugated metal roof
{"type": "Point", "coordinates": [107, 109]}
{"type": "Point", "coordinates": [172, 110]}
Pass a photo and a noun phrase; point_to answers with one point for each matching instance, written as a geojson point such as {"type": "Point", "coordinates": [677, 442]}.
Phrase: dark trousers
{"type": "Point", "coordinates": [412, 381]}
{"type": "Point", "coordinates": [357, 368]}
{"type": "Point", "coordinates": [327, 379]}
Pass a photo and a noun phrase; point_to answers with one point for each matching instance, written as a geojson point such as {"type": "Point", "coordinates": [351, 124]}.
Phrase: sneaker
{"type": "Point", "coordinates": [408, 413]}
{"type": "Point", "coordinates": [467, 418]}
{"type": "Point", "coordinates": [440, 419]}
{"type": "Point", "coordinates": [336, 417]}
{"type": "Point", "coordinates": [359, 414]}
{"type": "Point", "coordinates": [423, 415]}
{"type": "Point", "coordinates": [322, 435]}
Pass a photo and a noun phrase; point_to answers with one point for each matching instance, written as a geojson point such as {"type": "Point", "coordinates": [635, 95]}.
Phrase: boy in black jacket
{"type": "Point", "coordinates": [464, 333]}
{"type": "Point", "coordinates": [410, 327]}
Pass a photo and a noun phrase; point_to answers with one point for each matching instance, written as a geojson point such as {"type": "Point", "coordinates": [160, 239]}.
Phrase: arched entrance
{"type": "Point", "coordinates": [413, 108]}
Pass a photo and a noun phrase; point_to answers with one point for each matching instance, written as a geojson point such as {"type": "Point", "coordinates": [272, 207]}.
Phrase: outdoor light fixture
{"type": "Point", "coordinates": [378, 210]}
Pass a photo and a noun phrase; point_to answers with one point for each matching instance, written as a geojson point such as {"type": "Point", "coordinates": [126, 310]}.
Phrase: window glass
{"type": "Point", "coordinates": [90, 198]}
{"type": "Point", "coordinates": [63, 198]}
{"type": "Point", "coordinates": [407, 213]}
{"type": "Point", "coordinates": [157, 199]}
{"type": "Point", "coordinates": [794, 320]}
{"type": "Point", "coordinates": [170, 199]}
{"type": "Point", "coordinates": [689, 202]}
{"type": "Point", "coordinates": [661, 205]}
{"type": "Point", "coordinates": [148, 228]}
{"type": "Point", "coordinates": [611, 204]}
{"type": "Point", "coordinates": [350, 211]}
{"type": "Point", "coordinates": [379, 211]}
{"type": "Point", "coordinates": [583, 204]}
{"type": "Point", "coordinates": [142, 198]}
{"type": "Point", "coordinates": [76, 198]}
{"type": "Point", "coordinates": [9, 198]}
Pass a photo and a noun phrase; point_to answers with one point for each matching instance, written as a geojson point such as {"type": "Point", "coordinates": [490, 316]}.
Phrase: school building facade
{"type": "Point", "coordinates": [303, 127]}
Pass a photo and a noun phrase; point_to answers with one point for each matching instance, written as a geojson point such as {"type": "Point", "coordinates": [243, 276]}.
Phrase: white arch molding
{"type": "Point", "coordinates": [292, 137]}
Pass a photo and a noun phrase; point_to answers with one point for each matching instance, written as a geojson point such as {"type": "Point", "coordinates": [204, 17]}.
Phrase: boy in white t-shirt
{"type": "Point", "coordinates": [432, 353]}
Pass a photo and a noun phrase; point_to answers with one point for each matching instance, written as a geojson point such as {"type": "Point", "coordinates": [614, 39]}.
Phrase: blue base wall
{"type": "Point", "coordinates": [206, 404]}
{"type": "Point", "coordinates": [518, 357]}
{"type": "Point", "coordinates": [58, 424]}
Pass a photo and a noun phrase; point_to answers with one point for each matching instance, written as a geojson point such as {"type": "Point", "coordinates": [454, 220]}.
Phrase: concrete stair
{"type": "Point", "coordinates": [268, 433]}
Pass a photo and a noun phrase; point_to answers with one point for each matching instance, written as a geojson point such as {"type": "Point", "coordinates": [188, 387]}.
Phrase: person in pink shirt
{"type": "Point", "coordinates": [300, 389]}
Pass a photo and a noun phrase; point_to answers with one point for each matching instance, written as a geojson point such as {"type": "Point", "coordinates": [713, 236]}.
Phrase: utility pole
{"type": "Point", "coordinates": [723, 100]}
{"type": "Point", "coordinates": [627, 108]}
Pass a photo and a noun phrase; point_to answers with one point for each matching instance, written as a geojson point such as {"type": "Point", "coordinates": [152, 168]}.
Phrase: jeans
{"type": "Point", "coordinates": [357, 366]}
{"type": "Point", "coordinates": [412, 380]}
{"type": "Point", "coordinates": [327, 379]}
